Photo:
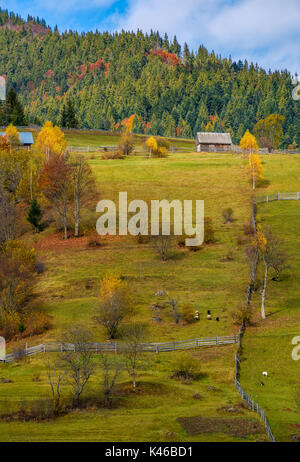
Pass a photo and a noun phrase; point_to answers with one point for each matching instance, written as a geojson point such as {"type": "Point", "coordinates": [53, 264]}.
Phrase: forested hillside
{"type": "Point", "coordinates": [171, 90]}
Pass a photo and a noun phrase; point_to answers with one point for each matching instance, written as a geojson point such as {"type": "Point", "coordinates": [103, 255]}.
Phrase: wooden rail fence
{"type": "Point", "coordinates": [278, 197]}
{"type": "Point", "coordinates": [121, 347]}
{"type": "Point", "coordinates": [245, 397]}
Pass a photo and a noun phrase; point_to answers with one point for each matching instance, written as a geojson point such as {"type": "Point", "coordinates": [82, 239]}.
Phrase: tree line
{"type": "Point", "coordinates": [172, 90]}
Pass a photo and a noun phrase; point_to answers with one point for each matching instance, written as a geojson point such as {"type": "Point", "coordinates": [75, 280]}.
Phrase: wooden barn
{"type": "Point", "coordinates": [213, 142]}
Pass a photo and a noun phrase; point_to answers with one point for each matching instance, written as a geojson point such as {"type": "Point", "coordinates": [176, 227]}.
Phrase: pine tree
{"type": "Point", "coordinates": [35, 215]}
{"type": "Point", "coordinates": [14, 112]}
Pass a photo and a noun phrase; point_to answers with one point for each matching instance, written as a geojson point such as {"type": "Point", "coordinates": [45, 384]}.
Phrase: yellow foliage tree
{"type": "Point", "coordinates": [12, 135]}
{"type": "Point", "coordinates": [248, 143]}
{"type": "Point", "coordinates": [50, 140]}
{"type": "Point", "coordinates": [255, 169]}
{"type": "Point", "coordinates": [115, 304]}
{"type": "Point", "coordinates": [28, 188]}
{"type": "Point", "coordinates": [151, 143]}
{"type": "Point", "coordinates": [128, 123]}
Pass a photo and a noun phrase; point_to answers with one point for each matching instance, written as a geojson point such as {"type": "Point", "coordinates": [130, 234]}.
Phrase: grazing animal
{"type": "Point", "coordinates": [208, 312]}
{"type": "Point", "coordinates": [209, 318]}
{"type": "Point", "coordinates": [218, 319]}
{"type": "Point", "coordinates": [262, 384]}
{"type": "Point", "coordinates": [265, 374]}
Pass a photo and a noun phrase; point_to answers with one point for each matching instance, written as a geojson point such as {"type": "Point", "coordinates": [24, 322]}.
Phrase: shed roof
{"type": "Point", "coordinates": [213, 138]}
{"type": "Point", "coordinates": [25, 137]}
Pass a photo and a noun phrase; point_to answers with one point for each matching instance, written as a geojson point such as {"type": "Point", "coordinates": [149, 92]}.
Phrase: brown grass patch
{"type": "Point", "coordinates": [239, 427]}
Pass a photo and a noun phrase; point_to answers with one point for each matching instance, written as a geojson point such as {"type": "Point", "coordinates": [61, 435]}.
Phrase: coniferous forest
{"type": "Point", "coordinates": [172, 90]}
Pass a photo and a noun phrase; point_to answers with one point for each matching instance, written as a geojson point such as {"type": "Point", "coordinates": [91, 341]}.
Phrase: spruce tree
{"type": "Point", "coordinates": [14, 112]}
{"type": "Point", "coordinates": [35, 215]}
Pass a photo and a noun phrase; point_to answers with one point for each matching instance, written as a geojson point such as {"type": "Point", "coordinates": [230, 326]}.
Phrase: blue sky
{"type": "Point", "coordinates": [263, 31]}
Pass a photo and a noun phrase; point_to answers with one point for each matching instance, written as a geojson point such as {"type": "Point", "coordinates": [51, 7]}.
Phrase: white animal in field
{"type": "Point", "coordinates": [265, 374]}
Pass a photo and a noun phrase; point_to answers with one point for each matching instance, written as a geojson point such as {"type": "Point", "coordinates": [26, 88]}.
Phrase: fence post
{"type": "Point", "coordinates": [116, 347]}
{"type": "Point", "coordinates": [157, 348]}
{"type": "Point", "coordinates": [298, 196]}
{"type": "Point", "coordinates": [278, 196]}
{"type": "Point", "coordinates": [216, 340]}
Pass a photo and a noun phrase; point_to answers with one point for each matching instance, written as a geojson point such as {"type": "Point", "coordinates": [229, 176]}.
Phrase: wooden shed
{"type": "Point", "coordinates": [213, 142]}
{"type": "Point", "coordinates": [26, 138]}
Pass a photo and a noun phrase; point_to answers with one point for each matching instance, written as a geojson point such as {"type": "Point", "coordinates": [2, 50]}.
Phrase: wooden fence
{"type": "Point", "coordinates": [245, 397]}
{"type": "Point", "coordinates": [122, 347]}
{"type": "Point", "coordinates": [278, 197]}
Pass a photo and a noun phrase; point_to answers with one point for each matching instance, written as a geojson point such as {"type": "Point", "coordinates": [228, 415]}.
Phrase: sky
{"type": "Point", "coordinates": [262, 31]}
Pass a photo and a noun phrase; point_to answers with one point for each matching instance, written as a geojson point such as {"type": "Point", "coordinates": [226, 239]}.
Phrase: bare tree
{"type": "Point", "coordinates": [175, 309]}
{"type": "Point", "coordinates": [56, 380]}
{"type": "Point", "coordinates": [55, 184]}
{"type": "Point", "coordinates": [162, 245]}
{"type": "Point", "coordinates": [272, 256]}
{"type": "Point", "coordinates": [83, 184]}
{"type": "Point", "coordinates": [7, 218]}
{"type": "Point", "coordinates": [111, 369]}
{"type": "Point", "coordinates": [134, 335]}
{"type": "Point", "coordinates": [79, 359]}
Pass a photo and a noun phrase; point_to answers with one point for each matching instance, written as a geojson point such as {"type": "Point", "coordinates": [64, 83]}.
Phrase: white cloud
{"type": "Point", "coordinates": [266, 31]}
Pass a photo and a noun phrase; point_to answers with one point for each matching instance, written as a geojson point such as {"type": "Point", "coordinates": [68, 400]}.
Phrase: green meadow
{"type": "Point", "coordinates": [268, 345]}
{"type": "Point", "coordinates": [206, 280]}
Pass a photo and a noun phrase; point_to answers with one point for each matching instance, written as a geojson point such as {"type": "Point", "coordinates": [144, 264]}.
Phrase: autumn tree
{"type": "Point", "coordinates": [158, 147]}
{"type": "Point", "coordinates": [4, 143]}
{"type": "Point", "coordinates": [128, 123]}
{"type": "Point", "coordinates": [255, 169]}
{"type": "Point", "coordinates": [248, 143]}
{"type": "Point", "coordinates": [55, 181]}
{"type": "Point", "coordinates": [151, 145]}
{"type": "Point", "coordinates": [83, 185]}
{"type": "Point", "coordinates": [8, 217]}
{"type": "Point", "coordinates": [13, 167]}
{"type": "Point", "coordinates": [270, 251]}
{"type": "Point", "coordinates": [17, 281]}
{"type": "Point", "coordinates": [12, 135]}
{"type": "Point", "coordinates": [50, 140]}
{"type": "Point", "coordinates": [126, 145]}
{"type": "Point", "coordinates": [269, 131]}
{"type": "Point", "coordinates": [115, 304]}
{"type": "Point", "coordinates": [29, 188]}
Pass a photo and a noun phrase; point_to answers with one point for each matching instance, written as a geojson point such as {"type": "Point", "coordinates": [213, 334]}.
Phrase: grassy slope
{"type": "Point", "coordinates": [71, 285]}
{"type": "Point", "coordinates": [268, 345]}
{"type": "Point", "coordinates": [101, 138]}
